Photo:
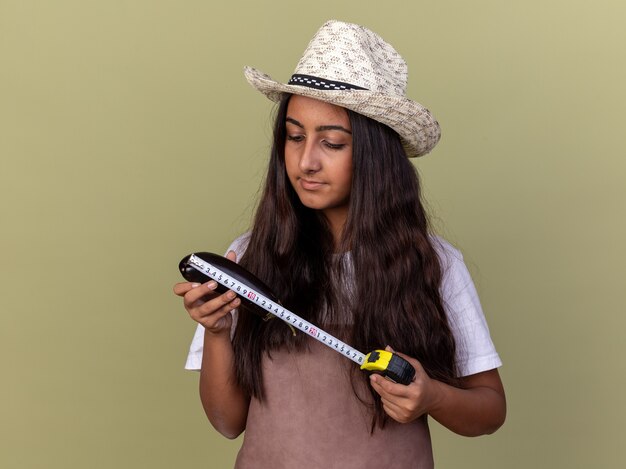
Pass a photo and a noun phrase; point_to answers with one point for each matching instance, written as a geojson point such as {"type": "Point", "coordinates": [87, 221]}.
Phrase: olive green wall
{"type": "Point", "coordinates": [129, 138]}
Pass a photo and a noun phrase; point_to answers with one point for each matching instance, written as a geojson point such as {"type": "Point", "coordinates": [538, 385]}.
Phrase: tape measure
{"type": "Point", "coordinates": [204, 266]}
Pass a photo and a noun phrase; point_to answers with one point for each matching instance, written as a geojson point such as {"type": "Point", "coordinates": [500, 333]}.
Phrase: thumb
{"type": "Point", "coordinates": [231, 255]}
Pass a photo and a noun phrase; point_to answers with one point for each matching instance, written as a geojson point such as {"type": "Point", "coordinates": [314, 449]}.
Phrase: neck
{"type": "Point", "coordinates": [336, 219]}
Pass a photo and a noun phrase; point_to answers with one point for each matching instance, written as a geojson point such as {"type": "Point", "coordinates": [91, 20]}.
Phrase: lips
{"type": "Point", "coordinates": [310, 185]}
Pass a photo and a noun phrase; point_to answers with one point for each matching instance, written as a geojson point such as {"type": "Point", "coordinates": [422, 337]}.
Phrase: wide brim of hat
{"type": "Point", "coordinates": [418, 129]}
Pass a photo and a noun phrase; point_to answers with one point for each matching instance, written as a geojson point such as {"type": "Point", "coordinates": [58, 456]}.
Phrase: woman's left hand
{"type": "Point", "coordinates": [405, 403]}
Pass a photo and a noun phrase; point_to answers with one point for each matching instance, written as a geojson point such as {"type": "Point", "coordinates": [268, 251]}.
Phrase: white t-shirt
{"type": "Point", "coordinates": [475, 351]}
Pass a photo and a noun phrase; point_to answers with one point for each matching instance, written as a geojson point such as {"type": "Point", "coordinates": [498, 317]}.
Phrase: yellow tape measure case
{"type": "Point", "coordinates": [390, 365]}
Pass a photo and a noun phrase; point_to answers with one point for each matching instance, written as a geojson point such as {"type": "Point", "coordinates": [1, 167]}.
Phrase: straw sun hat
{"type": "Point", "coordinates": [350, 66]}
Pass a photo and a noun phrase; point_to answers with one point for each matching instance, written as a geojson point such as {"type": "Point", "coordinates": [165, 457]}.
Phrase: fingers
{"type": "Point", "coordinates": [209, 309]}
{"type": "Point", "coordinates": [394, 411]}
{"type": "Point", "coordinates": [205, 306]}
{"type": "Point", "coordinates": [195, 294]}
{"type": "Point", "coordinates": [405, 403]}
{"type": "Point", "coordinates": [182, 288]}
{"type": "Point", "coordinates": [402, 403]}
{"type": "Point", "coordinates": [388, 389]}
{"type": "Point", "coordinates": [400, 408]}
{"type": "Point", "coordinates": [218, 306]}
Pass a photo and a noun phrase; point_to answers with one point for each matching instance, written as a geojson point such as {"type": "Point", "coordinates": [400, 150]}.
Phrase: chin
{"type": "Point", "coordinates": [311, 202]}
{"type": "Point", "coordinates": [313, 206]}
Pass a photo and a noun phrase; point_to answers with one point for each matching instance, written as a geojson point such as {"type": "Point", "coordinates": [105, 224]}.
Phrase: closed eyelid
{"type": "Point", "coordinates": [335, 146]}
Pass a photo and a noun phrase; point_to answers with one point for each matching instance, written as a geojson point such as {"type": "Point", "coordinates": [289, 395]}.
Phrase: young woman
{"type": "Point", "coordinates": [342, 238]}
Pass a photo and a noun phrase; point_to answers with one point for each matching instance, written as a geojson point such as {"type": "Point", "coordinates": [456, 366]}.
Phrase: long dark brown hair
{"type": "Point", "coordinates": [394, 293]}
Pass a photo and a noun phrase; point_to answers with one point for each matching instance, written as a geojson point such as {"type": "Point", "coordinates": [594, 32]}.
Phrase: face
{"type": "Point", "coordinates": [318, 155]}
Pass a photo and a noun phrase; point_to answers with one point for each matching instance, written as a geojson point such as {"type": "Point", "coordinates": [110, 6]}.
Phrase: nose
{"type": "Point", "coordinates": [310, 161]}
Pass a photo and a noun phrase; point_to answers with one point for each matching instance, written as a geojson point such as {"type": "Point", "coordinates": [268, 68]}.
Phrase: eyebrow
{"type": "Point", "coordinates": [321, 128]}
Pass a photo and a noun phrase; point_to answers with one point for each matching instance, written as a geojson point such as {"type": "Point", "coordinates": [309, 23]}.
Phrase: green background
{"type": "Point", "coordinates": [129, 138]}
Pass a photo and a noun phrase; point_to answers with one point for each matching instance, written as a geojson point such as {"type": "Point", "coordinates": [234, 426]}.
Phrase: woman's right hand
{"type": "Point", "coordinates": [206, 306]}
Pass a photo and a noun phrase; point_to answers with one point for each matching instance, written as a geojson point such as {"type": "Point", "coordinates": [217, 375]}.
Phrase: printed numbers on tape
{"type": "Point", "coordinates": [252, 295]}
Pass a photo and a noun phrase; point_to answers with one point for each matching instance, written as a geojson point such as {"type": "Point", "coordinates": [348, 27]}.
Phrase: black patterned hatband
{"type": "Point", "coordinates": [321, 83]}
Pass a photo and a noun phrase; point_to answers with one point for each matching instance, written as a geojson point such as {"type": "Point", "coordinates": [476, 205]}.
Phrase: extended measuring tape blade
{"type": "Point", "coordinates": [252, 295]}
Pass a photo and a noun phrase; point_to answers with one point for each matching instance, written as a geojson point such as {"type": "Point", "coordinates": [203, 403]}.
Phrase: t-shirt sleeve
{"type": "Point", "coordinates": [194, 357]}
{"type": "Point", "coordinates": [475, 351]}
